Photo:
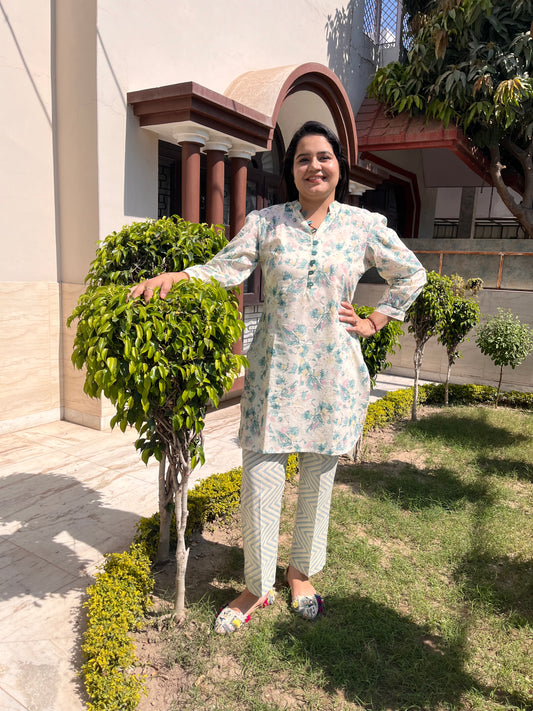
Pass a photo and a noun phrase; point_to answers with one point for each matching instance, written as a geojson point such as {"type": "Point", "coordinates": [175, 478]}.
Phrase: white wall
{"type": "Point", "coordinates": [27, 217]}
{"type": "Point", "coordinates": [207, 42]}
{"type": "Point", "coordinates": [488, 204]}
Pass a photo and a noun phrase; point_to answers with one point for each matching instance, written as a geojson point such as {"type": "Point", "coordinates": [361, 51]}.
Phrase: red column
{"type": "Point", "coordinates": [239, 175]}
{"type": "Point", "coordinates": [215, 183]}
{"type": "Point", "coordinates": [190, 178]}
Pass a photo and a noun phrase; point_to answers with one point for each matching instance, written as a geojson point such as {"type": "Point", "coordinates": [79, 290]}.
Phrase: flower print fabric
{"type": "Point", "coordinates": [307, 386]}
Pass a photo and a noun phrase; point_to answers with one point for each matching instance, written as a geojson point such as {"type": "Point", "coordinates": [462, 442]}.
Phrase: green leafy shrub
{"type": "Point", "coordinates": [375, 350]}
{"type": "Point", "coordinates": [477, 394]}
{"type": "Point", "coordinates": [216, 497]}
{"type": "Point", "coordinates": [144, 249]}
{"type": "Point", "coordinates": [116, 605]}
{"type": "Point", "coordinates": [391, 407]}
{"type": "Point", "coordinates": [160, 363]}
{"type": "Point", "coordinates": [457, 323]}
{"type": "Point", "coordinates": [506, 341]}
{"type": "Point", "coordinates": [424, 319]}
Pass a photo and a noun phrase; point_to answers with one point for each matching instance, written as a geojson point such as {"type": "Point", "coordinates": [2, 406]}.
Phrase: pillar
{"type": "Point", "coordinates": [191, 144]}
{"type": "Point", "coordinates": [215, 152]}
{"type": "Point", "coordinates": [239, 175]}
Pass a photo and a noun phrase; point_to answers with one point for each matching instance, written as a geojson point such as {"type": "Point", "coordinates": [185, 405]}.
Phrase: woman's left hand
{"type": "Point", "coordinates": [361, 326]}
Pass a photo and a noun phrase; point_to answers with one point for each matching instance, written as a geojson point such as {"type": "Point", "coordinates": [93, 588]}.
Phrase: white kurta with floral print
{"type": "Point", "coordinates": [307, 386]}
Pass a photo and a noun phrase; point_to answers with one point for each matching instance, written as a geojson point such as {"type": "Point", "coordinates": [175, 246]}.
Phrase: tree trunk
{"type": "Point", "coordinates": [499, 387]}
{"type": "Point", "coordinates": [182, 553]}
{"type": "Point", "coordinates": [447, 385]}
{"type": "Point", "coordinates": [417, 359]}
{"type": "Point", "coordinates": [522, 211]}
{"type": "Point", "coordinates": [165, 515]}
{"type": "Point", "coordinates": [358, 449]}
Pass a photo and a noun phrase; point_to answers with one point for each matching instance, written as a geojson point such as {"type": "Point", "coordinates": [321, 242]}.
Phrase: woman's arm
{"type": "Point", "coordinates": [364, 327]}
{"type": "Point", "coordinates": [164, 281]}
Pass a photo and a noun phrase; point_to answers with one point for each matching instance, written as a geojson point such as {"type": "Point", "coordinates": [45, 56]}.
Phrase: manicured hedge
{"type": "Point", "coordinates": [116, 604]}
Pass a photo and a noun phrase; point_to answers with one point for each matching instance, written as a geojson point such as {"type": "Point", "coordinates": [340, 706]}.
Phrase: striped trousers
{"type": "Point", "coordinates": [263, 482]}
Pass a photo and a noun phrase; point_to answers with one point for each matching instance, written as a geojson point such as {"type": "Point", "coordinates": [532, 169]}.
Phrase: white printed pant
{"type": "Point", "coordinates": [263, 482]}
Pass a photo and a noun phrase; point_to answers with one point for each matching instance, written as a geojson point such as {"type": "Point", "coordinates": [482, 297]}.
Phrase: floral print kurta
{"type": "Point", "coordinates": [307, 386]}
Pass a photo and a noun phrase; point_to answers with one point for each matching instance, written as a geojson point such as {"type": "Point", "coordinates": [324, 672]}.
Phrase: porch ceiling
{"type": "Point", "coordinates": [448, 159]}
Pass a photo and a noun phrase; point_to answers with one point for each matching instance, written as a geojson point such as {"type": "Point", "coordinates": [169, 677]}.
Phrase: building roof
{"type": "Point", "coordinates": [378, 131]}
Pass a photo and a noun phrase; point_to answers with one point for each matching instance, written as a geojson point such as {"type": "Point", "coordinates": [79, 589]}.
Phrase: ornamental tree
{"type": "Point", "coordinates": [471, 62]}
{"type": "Point", "coordinates": [459, 320]}
{"type": "Point", "coordinates": [506, 341]}
{"type": "Point", "coordinates": [160, 363]}
{"type": "Point", "coordinates": [424, 318]}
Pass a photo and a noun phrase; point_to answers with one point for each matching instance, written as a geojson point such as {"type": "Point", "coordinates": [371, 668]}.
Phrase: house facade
{"type": "Point", "coordinates": [117, 111]}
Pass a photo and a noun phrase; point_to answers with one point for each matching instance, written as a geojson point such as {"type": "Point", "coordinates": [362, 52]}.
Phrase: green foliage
{"type": "Point", "coordinates": [160, 362]}
{"type": "Point", "coordinates": [477, 394]}
{"type": "Point", "coordinates": [216, 498]}
{"type": "Point", "coordinates": [427, 313]}
{"type": "Point", "coordinates": [505, 339]}
{"type": "Point", "coordinates": [144, 249]}
{"type": "Point", "coordinates": [391, 407]}
{"type": "Point", "coordinates": [425, 318]}
{"type": "Point", "coordinates": [116, 605]}
{"type": "Point", "coordinates": [396, 404]}
{"type": "Point", "coordinates": [462, 317]}
{"type": "Point", "coordinates": [471, 62]}
{"type": "Point", "coordinates": [376, 349]}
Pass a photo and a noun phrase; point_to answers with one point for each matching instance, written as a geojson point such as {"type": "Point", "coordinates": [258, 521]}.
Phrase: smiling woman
{"type": "Point", "coordinates": [307, 386]}
{"type": "Point", "coordinates": [316, 175]}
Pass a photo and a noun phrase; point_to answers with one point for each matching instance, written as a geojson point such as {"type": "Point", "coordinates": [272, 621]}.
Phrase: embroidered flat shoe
{"type": "Point", "coordinates": [308, 606]}
{"type": "Point", "coordinates": [228, 621]}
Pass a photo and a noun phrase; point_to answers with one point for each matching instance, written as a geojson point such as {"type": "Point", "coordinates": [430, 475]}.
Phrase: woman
{"type": "Point", "coordinates": [307, 385]}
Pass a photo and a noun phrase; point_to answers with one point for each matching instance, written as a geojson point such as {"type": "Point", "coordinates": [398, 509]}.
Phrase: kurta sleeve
{"type": "Point", "coordinates": [237, 260]}
{"type": "Point", "coordinates": [402, 271]}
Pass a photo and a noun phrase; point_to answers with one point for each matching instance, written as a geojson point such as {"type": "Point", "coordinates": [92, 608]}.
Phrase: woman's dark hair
{"type": "Point", "coordinates": [314, 128]}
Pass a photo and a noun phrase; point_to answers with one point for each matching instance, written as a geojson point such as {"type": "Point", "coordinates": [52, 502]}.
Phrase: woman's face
{"type": "Point", "coordinates": [315, 169]}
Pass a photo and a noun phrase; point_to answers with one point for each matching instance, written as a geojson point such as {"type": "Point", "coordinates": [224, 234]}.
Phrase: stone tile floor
{"type": "Point", "coordinates": [69, 495]}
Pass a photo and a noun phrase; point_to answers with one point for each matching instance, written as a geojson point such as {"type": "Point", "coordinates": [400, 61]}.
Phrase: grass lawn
{"type": "Point", "coordinates": [428, 588]}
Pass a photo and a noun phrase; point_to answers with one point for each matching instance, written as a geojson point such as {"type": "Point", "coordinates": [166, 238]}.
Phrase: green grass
{"type": "Point", "coordinates": [428, 587]}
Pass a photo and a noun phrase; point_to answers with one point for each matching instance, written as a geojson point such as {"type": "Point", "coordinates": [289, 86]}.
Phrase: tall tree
{"type": "Point", "coordinates": [160, 363]}
{"type": "Point", "coordinates": [471, 62]}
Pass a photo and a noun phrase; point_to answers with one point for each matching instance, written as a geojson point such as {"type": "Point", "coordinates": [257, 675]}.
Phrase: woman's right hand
{"type": "Point", "coordinates": [164, 281]}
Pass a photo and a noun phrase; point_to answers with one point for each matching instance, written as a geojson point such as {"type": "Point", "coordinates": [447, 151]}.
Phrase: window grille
{"type": "Point", "coordinates": [381, 21]}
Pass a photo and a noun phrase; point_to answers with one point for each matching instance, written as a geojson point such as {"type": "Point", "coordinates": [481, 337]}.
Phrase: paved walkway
{"type": "Point", "coordinates": [69, 495]}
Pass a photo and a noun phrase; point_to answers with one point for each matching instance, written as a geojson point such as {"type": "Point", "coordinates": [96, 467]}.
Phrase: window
{"type": "Point", "coordinates": [382, 22]}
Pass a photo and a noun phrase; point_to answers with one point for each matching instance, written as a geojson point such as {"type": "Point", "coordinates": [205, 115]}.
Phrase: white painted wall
{"type": "Point", "coordinates": [488, 204]}
{"type": "Point", "coordinates": [140, 46]}
{"type": "Point", "coordinates": [27, 217]}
